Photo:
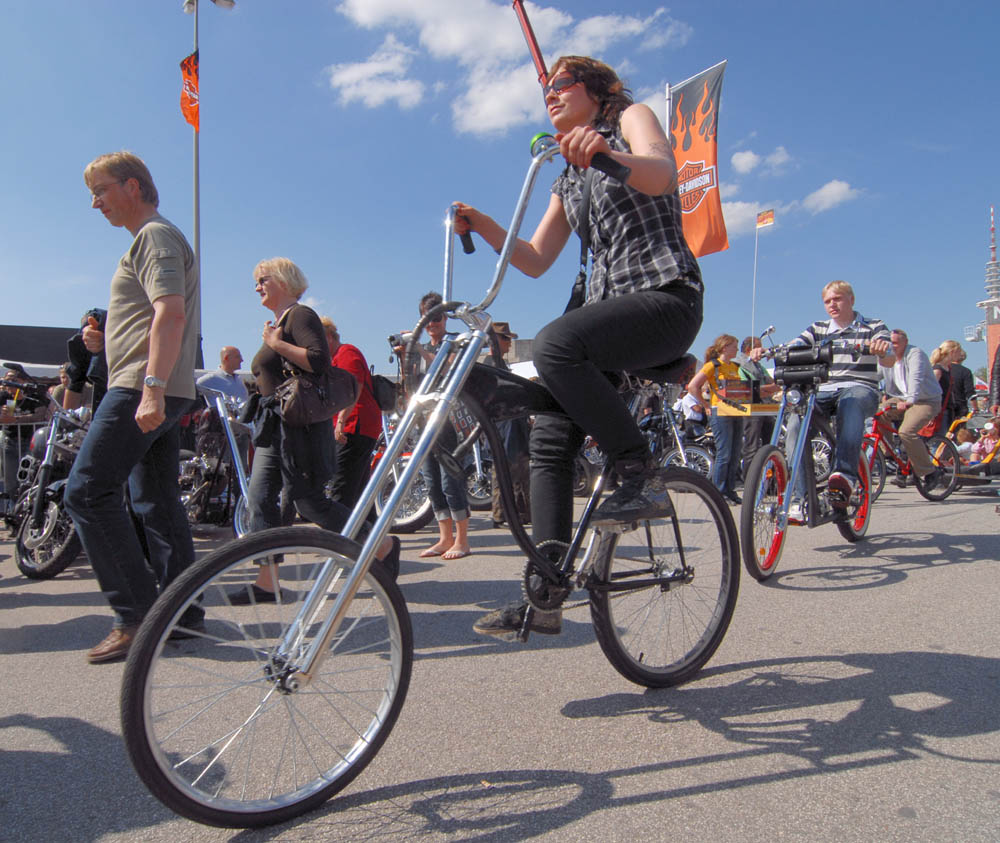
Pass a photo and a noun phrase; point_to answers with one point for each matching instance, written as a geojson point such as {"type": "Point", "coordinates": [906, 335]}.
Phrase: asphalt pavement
{"type": "Point", "coordinates": [856, 697]}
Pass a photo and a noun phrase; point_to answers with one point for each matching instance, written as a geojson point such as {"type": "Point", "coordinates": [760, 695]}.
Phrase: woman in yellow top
{"type": "Point", "coordinates": [727, 430]}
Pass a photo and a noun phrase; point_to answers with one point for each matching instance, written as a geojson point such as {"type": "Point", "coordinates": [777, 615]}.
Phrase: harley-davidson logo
{"type": "Point", "coordinates": [694, 180]}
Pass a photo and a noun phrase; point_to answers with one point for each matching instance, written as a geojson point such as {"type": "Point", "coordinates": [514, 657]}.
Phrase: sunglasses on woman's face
{"type": "Point", "coordinates": [559, 85]}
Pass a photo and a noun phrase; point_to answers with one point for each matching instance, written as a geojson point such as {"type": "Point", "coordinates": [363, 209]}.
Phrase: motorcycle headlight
{"type": "Point", "coordinates": [794, 397]}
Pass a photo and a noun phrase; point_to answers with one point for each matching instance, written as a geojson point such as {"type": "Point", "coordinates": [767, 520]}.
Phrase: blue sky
{"type": "Point", "coordinates": [337, 134]}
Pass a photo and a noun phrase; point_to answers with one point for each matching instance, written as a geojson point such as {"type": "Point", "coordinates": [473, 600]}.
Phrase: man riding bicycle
{"type": "Point", "coordinates": [915, 399]}
{"type": "Point", "coordinates": [852, 389]}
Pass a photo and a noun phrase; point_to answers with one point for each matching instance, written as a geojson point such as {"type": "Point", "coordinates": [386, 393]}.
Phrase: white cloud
{"type": "Point", "coordinates": [740, 217]}
{"type": "Point", "coordinates": [728, 189]}
{"type": "Point", "coordinates": [747, 161]}
{"type": "Point", "coordinates": [778, 158]}
{"type": "Point", "coordinates": [830, 195]}
{"type": "Point", "coordinates": [500, 88]}
{"type": "Point", "coordinates": [744, 162]}
{"type": "Point", "coordinates": [380, 79]}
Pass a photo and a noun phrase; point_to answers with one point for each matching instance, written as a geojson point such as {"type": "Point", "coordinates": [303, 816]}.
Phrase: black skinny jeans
{"type": "Point", "coordinates": [571, 354]}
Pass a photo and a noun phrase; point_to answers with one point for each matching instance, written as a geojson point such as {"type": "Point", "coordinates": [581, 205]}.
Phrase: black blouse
{"type": "Point", "coordinates": [301, 327]}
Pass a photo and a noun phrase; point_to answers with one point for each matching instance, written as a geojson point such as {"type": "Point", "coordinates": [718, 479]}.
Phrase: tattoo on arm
{"type": "Point", "coordinates": [661, 148]}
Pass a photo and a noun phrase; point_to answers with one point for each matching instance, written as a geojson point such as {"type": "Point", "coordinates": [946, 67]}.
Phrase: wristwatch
{"type": "Point", "coordinates": [158, 383]}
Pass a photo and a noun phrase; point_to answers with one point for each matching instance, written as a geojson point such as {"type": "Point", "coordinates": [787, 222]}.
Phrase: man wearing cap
{"type": "Point", "coordinates": [514, 434]}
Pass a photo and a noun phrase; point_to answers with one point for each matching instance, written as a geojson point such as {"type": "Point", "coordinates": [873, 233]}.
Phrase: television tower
{"type": "Point", "coordinates": [992, 303]}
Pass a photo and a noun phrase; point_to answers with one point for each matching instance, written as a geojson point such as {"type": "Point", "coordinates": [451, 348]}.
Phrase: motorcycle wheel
{"type": "Point", "coordinates": [479, 487]}
{"type": "Point", "coordinates": [415, 512]}
{"type": "Point", "coordinates": [54, 546]}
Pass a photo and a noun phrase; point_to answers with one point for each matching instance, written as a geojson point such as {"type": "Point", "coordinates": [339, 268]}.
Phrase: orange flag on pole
{"type": "Point", "coordinates": [694, 123]}
{"type": "Point", "coordinates": [189, 89]}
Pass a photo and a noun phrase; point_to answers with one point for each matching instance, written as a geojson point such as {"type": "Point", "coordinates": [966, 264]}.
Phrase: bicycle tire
{"type": "Point", "coordinates": [209, 727]}
{"type": "Point", "coordinates": [945, 456]}
{"type": "Point", "coordinates": [764, 491]}
{"type": "Point", "coordinates": [876, 469]}
{"type": "Point", "coordinates": [56, 552]}
{"type": "Point", "coordinates": [854, 524]}
{"type": "Point", "coordinates": [654, 635]}
{"type": "Point", "coordinates": [698, 459]}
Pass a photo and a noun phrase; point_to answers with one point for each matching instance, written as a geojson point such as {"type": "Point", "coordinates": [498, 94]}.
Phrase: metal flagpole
{"type": "Point", "coordinates": [197, 193]}
{"type": "Point", "coordinates": [753, 300]}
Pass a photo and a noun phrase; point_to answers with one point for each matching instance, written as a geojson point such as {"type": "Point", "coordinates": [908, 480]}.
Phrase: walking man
{"type": "Point", "coordinates": [151, 339]}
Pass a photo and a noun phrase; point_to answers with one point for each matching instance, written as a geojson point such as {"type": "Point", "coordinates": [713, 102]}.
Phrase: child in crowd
{"type": "Point", "coordinates": [987, 442]}
{"type": "Point", "coordinates": [965, 440]}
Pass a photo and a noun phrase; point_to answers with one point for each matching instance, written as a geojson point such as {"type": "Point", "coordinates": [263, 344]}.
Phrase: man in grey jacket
{"type": "Point", "coordinates": [914, 399]}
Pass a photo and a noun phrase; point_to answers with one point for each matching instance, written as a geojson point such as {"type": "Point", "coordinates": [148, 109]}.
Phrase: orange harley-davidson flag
{"type": "Point", "coordinates": [189, 89]}
{"type": "Point", "coordinates": [694, 124]}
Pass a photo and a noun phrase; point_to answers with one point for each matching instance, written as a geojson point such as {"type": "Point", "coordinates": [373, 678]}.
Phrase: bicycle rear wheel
{"type": "Point", "coordinates": [662, 595]}
{"type": "Point", "coordinates": [944, 455]}
{"type": "Point", "coordinates": [220, 726]}
{"type": "Point", "coordinates": [764, 491]}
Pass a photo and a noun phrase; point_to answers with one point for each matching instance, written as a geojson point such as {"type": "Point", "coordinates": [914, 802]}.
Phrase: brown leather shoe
{"type": "Point", "coordinates": [115, 646]}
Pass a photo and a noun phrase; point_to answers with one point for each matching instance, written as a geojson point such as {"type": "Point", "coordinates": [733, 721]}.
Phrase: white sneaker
{"type": "Point", "coordinates": [795, 513]}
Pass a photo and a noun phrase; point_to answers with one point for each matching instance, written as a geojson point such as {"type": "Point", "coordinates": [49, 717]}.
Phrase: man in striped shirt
{"type": "Point", "coordinates": [852, 390]}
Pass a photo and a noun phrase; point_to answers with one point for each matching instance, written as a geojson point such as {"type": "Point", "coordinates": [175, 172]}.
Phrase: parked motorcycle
{"type": "Point", "coordinates": [213, 479]}
{"type": "Point", "coordinates": [46, 542]}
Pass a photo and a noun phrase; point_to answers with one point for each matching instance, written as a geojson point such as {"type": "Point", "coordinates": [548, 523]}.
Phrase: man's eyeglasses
{"type": "Point", "coordinates": [101, 189]}
{"type": "Point", "coordinates": [436, 319]}
{"type": "Point", "coordinates": [559, 85]}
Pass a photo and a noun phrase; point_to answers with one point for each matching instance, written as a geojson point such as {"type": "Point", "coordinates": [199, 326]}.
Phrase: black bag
{"type": "Point", "coordinates": [304, 398]}
{"type": "Point", "coordinates": [579, 292]}
{"type": "Point", "coordinates": [385, 392]}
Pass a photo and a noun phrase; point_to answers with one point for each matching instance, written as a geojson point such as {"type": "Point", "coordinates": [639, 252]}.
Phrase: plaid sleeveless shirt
{"type": "Point", "coordinates": [636, 240]}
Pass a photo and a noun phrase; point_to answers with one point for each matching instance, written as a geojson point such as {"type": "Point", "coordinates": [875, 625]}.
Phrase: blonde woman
{"type": "Point", "coordinates": [727, 430]}
{"type": "Point", "coordinates": [941, 359]}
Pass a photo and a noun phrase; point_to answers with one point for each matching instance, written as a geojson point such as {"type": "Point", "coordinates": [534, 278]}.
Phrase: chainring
{"type": "Point", "coordinates": [538, 590]}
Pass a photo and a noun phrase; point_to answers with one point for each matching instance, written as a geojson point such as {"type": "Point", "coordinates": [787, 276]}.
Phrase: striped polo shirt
{"type": "Point", "coordinates": [845, 371]}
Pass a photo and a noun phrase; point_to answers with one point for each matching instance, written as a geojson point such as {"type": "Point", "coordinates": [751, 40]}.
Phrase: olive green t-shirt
{"type": "Point", "coordinates": [159, 263]}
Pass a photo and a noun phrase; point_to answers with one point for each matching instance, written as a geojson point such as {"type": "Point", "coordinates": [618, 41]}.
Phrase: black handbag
{"type": "Point", "coordinates": [304, 398]}
{"type": "Point", "coordinates": [579, 294]}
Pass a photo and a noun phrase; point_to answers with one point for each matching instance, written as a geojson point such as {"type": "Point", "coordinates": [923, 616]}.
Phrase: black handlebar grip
{"type": "Point", "coordinates": [467, 245]}
{"type": "Point", "coordinates": [607, 165]}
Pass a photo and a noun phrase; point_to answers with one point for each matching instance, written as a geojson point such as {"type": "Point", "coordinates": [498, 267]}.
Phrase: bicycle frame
{"type": "Point", "coordinates": [434, 399]}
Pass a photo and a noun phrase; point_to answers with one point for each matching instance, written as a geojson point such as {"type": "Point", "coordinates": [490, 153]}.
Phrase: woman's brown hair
{"type": "Point", "coordinates": [601, 82]}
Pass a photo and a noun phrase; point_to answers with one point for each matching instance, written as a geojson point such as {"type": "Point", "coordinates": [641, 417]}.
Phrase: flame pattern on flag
{"type": "Point", "coordinates": [694, 123]}
{"type": "Point", "coordinates": [765, 218]}
{"type": "Point", "coordinates": [189, 90]}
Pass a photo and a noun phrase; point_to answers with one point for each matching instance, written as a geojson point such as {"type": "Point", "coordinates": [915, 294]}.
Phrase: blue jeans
{"type": "Point", "coordinates": [115, 452]}
{"type": "Point", "coordinates": [728, 433]}
{"type": "Point", "coordinates": [447, 494]}
{"type": "Point", "coordinates": [852, 405]}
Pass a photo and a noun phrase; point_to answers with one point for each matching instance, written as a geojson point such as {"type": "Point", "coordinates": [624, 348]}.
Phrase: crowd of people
{"type": "Point", "coordinates": [641, 307]}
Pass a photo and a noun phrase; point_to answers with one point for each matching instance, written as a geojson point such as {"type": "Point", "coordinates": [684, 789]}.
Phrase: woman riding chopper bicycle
{"type": "Point", "coordinates": [642, 306]}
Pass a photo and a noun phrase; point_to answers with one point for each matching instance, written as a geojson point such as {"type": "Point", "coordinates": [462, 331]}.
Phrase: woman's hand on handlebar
{"type": "Point", "coordinates": [580, 144]}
